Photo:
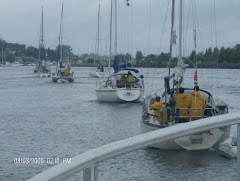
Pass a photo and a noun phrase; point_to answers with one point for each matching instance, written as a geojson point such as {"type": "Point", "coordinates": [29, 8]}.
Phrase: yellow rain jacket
{"type": "Point", "coordinates": [44, 70]}
{"type": "Point", "coordinates": [182, 102]}
{"type": "Point", "coordinates": [197, 102]}
{"type": "Point", "coordinates": [68, 67]}
{"type": "Point", "coordinates": [130, 78]}
{"type": "Point", "coordinates": [66, 72]}
{"type": "Point", "coordinates": [156, 106]}
{"type": "Point", "coordinates": [122, 80]}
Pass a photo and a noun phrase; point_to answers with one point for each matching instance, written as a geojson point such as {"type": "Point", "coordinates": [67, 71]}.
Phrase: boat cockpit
{"type": "Point", "coordinates": [210, 110]}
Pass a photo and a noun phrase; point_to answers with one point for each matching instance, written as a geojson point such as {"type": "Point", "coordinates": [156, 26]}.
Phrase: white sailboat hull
{"type": "Point", "coordinates": [45, 75]}
{"type": "Point", "coordinates": [199, 141]}
{"type": "Point", "coordinates": [99, 74]}
{"type": "Point", "coordinates": [62, 79]}
{"type": "Point", "coordinates": [166, 145]}
{"type": "Point", "coordinates": [119, 95]}
{"type": "Point", "coordinates": [17, 64]}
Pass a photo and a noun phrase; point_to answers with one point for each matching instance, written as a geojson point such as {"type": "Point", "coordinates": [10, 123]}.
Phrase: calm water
{"type": "Point", "coordinates": [41, 119]}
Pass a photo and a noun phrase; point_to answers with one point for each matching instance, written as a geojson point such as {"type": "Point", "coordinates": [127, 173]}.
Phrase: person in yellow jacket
{"type": "Point", "coordinates": [130, 77]}
{"type": "Point", "coordinates": [182, 102]}
{"type": "Point", "coordinates": [196, 104]}
{"type": "Point", "coordinates": [69, 68]}
{"type": "Point", "coordinates": [66, 72]}
{"type": "Point", "coordinates": [156, 107]}
{"type": "Point", "coordinates": [122, 81]}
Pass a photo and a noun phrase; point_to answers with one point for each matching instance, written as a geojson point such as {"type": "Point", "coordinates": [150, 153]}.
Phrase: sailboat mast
{"type": "Point", "coordinates": [98, 30]}
{"type": "Point", "coordinates": [60, 42]}
{"type": "Point", "coordinates": [110, 48]}
{"type": "Point", "coordinates": [115, 43]}
{"type": "Point", "coordinates": [172, 38]}
{"type": "Point", "coordinates": [180, 31]}
{"type": "Point", "coordinates": [60, 35]}
{"type": "Point", "coordinates": [41, 46]}
{"type": "Point", "coordinates": [42, 28]}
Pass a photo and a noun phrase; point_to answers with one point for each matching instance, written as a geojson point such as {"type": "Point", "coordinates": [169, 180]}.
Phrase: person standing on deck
{"type": "Point", "coordinates": [182, 105]}
{"type": "Point", "coordinates": [68, 67]}
{"type": "Point", "coordinates": [196, 104]}
{"type": "Point", "coordinates": [122, 81]}
{"type": "Point", "coordinates": [130, 77]}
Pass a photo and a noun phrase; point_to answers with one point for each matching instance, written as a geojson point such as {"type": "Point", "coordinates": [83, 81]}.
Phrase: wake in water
{"type": "Point", "coordinates": [62, 81]}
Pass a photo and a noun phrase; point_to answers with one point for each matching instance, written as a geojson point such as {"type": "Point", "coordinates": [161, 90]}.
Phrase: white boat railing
{"type": "Point", "coordinates": [102, 84]}
{"type": "Point", "coordinates": [88, 161]}
{"type": "Point", "coordinates": [124, 84]}
{"type": "Point", "coordinates": [188, 116]}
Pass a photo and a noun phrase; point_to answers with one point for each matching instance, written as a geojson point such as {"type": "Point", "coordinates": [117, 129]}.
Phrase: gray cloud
{"type": "Point", "coordinates": [20, 23]}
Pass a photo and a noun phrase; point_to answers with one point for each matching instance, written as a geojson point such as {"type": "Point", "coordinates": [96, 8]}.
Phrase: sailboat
{"type": "Point", "coordinates": [99, 71]}
{"type": "Point", "coordinates": [63, 72]}
{"type": "Point", "coordinates": [42, 68]}
{"type": "Point", "coordinates": [169, 114]}
{"type": "Point", "coordinates": [125, 84]}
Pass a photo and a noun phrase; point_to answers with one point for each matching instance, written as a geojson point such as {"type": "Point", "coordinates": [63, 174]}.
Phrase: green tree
{"type": "Point", "coordinates": [52, 55]}
{"type": "Point", "coordinates": [200, 58]}
{"type": "Point", "coordinates": [32, 52]}
{"type": "Point", "coordinates": [164, 57]}
{"type": "Point", "coordinates": [121, 58]}
{"type": "Point", "coordinates": [10, 57]}
{"type": "Point", "coordinates": [215, 54]}
{"type": "Point", "coordinates": [221, 55]}
{"type": "Point", "coordinates": [150, 59]}
{"type": "Point", "coordinates": [192, 57]}
{"type": "Point", "coordinates": [229, 55]}
{"type": "Point", "coordinates": [90, 60]}
{"type": "Point", "coordinates": [139, 56]}
{"type": "Point", "coordinates": [128, 56]}
{"type": "Point", "coordinates": [236, 53]}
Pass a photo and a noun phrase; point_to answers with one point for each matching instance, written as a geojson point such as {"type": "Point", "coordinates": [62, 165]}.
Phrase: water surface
{"type": "Point", "coordinates": [41, 119]}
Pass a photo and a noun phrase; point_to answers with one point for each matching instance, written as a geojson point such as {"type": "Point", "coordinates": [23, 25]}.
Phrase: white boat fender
{"type": "Point", "coordinates": [228, 148]}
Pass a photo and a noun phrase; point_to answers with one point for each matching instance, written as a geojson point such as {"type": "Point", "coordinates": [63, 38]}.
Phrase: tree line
{"type": "Point", "coordinates": [211, 58]}
{"type": "Point", "coordinates": [31, 53]}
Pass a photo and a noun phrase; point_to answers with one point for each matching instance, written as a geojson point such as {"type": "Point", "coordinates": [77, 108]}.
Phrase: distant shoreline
{"type": "Point", "coordinates": [220, 66]}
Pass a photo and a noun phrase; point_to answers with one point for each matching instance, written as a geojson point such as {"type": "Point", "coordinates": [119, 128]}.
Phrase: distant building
{"type": "Point", "coordinates": [94, 56]}
{"type": "Point", "coordinates": [79, 62]}
{"type": "Point", "coordinates": [27, 60]}
{"type": "Point", "coordinates": [14, 47]}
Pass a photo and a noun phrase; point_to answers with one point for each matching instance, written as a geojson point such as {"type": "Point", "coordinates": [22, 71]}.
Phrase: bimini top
{"type": "Point", "coordinates": [131, 69]}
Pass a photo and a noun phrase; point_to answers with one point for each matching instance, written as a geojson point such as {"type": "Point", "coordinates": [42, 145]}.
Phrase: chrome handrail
{"type": "Point", "coordinates": [88, 161]}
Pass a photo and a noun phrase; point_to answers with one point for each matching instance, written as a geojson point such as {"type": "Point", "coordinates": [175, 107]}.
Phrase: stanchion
{"type": "Point", "coordinates": [91, 174]}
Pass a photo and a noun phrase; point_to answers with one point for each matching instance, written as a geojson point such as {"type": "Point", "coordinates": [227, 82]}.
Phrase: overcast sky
{"type": "Point", "coordinates": [20, 23]}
